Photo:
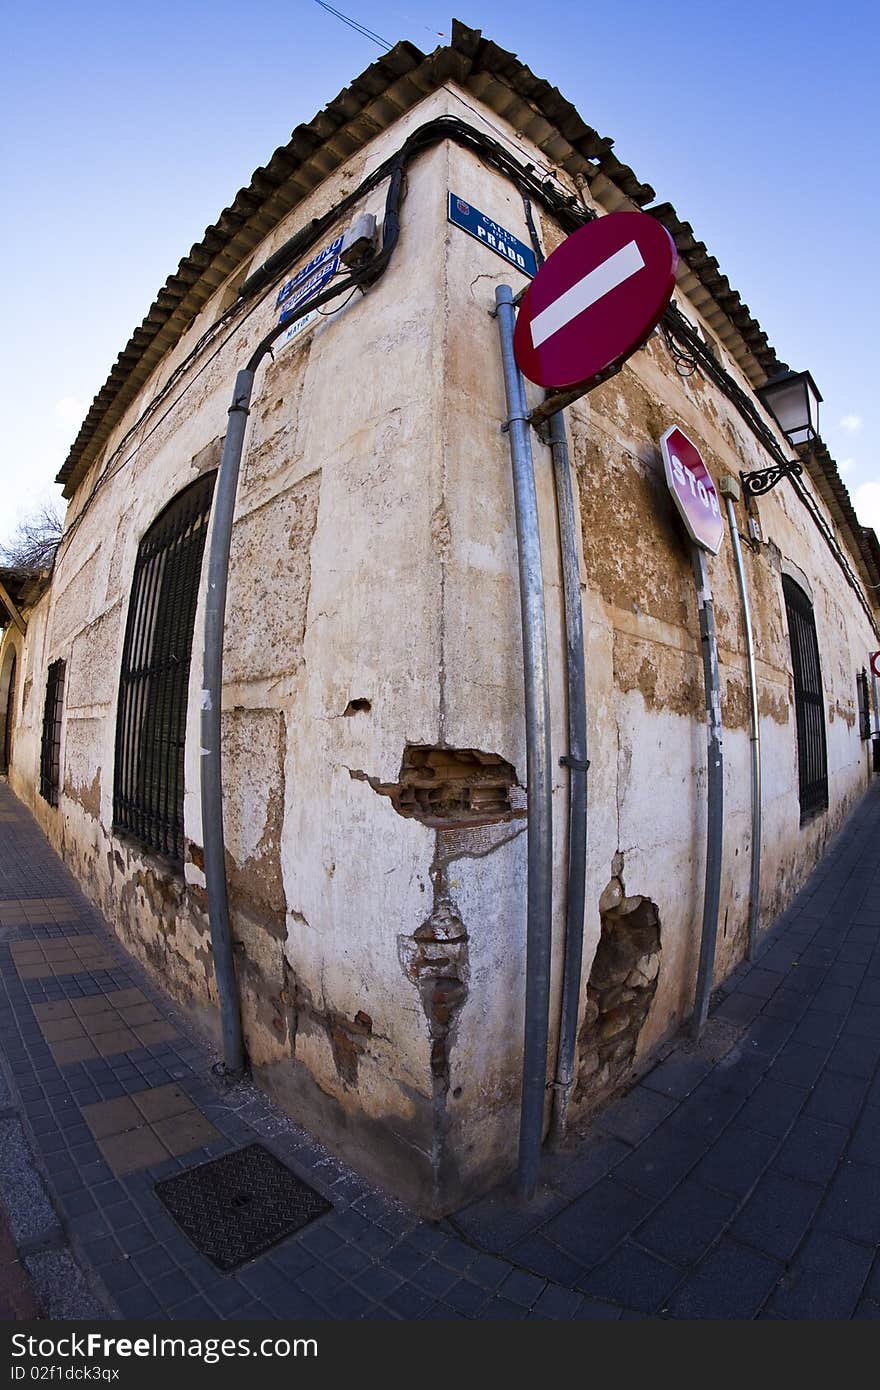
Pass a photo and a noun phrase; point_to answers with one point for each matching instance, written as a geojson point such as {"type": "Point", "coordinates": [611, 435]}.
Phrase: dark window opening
{"type": "Point", "coordinates": [6, 756]}
{"type": "Point", "coordinates": [864, 704]}
{"type": "Point", "coordinates": [50, 746]}
{"type": "Point", "coordinates": [808, 701]}
{"type": "Point", "coordinates": [151, 721]}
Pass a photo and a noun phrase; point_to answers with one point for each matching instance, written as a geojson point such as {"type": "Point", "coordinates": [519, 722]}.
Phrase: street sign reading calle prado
{"type": "Point", "coordinates": [595, 300]}
{"type": "Point", "coordinates": [693, 490]}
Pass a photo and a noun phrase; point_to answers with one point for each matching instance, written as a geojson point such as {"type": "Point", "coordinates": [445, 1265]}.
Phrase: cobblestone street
{"type": "Point", "coordinates": [740, 1178]}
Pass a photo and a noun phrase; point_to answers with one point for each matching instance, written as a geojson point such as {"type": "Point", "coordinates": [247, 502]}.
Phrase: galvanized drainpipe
{"type": "Point", "coordinates": [212, 693]}
{"type": "Point", "coordinates": [211, 781]}
{"type": "Point", "coordinates": [577, 764]}
{"type": "Point", "coordinates": [715, 792]}
{"type": "Point", "coordinates": [538, 770]}
{"type": "Point", "coordinates": [730, 489]}
{"type": "Point", "coordinates": [576, 760]}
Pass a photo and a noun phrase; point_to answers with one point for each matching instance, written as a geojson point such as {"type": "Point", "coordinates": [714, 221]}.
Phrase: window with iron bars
{"type": "Point", "coordinates": [151, 720]}
{"type": "Point", "coordinates": [50, 745]}
{"type": "Point", "coordinates": [809, 701]}
{"type": "Point", "coordinates": [864, 704]}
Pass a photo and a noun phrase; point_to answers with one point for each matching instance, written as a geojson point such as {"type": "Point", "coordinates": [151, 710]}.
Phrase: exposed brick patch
{"type": "Point", "coordinates": [450, 787]}
{"type": "Point", "coordinates": [622, 984]}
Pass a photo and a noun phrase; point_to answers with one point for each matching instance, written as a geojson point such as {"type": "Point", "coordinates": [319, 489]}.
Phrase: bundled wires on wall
{"type": "Point", "coordinates": [691, 353]}
{"type": "Point", "coordinates": [688, 349]}
{"type": "Point", "coordinates": [255, 289]}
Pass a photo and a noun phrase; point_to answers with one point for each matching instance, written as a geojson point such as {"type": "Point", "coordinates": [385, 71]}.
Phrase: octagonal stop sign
{"type": "Point", "coordinates": [693, 490]}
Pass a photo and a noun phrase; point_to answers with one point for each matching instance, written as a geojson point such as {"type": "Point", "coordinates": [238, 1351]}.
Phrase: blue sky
{"type": "Point", "coordinates": [127, 129]}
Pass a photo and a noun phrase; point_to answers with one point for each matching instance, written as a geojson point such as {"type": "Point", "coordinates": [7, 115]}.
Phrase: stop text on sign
{"type": "Point", "coordinates": [692, 489]}
{"type": "Point", "coordinates": [685, 478]}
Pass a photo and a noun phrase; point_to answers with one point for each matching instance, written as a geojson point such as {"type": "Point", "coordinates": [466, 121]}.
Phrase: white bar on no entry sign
{"type": "Point", "coordinates": [598, 282]}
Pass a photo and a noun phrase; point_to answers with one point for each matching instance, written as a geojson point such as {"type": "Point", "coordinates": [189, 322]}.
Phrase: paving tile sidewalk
{"type": "Point", "coordinates": [740, 1178]}
{"type": "Point", "coordinates": [17, 1301]}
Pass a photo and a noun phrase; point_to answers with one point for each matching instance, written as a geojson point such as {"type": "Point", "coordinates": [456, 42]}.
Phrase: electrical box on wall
{"type": "Point", "coordinates": [359, 241]}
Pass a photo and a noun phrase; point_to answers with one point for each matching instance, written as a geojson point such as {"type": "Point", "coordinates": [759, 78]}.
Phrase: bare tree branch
{"type": "Point", "coordinates": [35, 540]}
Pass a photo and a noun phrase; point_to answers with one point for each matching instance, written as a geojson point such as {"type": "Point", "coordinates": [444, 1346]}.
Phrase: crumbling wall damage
{"type": "Point", "coordinates": [282, 1009]}
{"type": "Point", "coordinates": [622, 984]}
{"type": "Point", "coordinates": [435, 959]}
{"type": "Point", "coordinates": [450, 787]}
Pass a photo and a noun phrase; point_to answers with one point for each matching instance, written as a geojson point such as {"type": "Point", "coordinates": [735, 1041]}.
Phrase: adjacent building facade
{"type": "Point", "coordinates": [375, 799]}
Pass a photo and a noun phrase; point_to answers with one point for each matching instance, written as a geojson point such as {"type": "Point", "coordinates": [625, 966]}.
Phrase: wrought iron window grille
{"type": "Point", "coordinates": [864, 701]}
{"type": "Point", "coordinates": [809, 701]}
{"type": "Point", "coordinates": [50, 744]}
{"type": "Point", "coordinates": [151, 720]}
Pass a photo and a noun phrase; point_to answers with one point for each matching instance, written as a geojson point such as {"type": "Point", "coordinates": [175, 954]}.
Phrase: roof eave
{"type": "Point", "coordinates": [387, 89]}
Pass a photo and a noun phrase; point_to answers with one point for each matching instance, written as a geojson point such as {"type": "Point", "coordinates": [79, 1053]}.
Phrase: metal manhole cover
{"type": "Point", "coordinates": [237, 1206]}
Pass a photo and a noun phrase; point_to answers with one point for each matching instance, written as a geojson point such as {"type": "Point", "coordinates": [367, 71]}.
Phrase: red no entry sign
{"type": "Point", "coordinates": [692, 489]}
{"type": "Point", "coordinates": [595, 300]}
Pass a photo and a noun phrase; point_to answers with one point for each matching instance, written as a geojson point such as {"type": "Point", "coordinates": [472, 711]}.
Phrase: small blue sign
{"type": "Point", "coordinates": [498, 239]}
{"type": "Point", "coordinates": [307, 288]}
{"type": "Point", "coordinates": [287, 290]}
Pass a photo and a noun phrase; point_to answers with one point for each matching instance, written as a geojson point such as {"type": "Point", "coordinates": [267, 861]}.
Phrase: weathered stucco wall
{"type": "Point", "coordinates": [373, 617]}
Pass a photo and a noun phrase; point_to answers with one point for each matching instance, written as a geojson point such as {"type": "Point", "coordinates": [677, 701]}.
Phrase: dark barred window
{"type": "Point", "coordinates": [50, 746]}
{"type": "Point", "coordinates": [151, 722]}
{"type": "Point", "coordinates": [808, 701]}
{"type": "Point", "coordinates": [6, 756]}
{"type": "Point", "coordinates": [864, 704]}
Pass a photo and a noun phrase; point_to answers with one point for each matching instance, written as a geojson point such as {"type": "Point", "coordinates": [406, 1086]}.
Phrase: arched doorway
{"type": "Point", "coordinates": [7, 706]}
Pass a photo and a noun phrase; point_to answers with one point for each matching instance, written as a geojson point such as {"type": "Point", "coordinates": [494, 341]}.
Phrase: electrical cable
{"type": "Point", "coordinates": [267, 276]}
{"type": "Point", "coordinates": [677, 327]}
{"type": "Point", "coordinates": [687, 348]}
{"type": "Point", "coordinates": [109, 472]}
{"type": "Point", "coordinates": [353, 24]}
{"type": "Point", "coordinates": [339, 307]}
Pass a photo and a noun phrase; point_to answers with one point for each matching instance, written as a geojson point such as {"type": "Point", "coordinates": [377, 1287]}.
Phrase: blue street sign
{"type": "Point", "coordinates": [287, 290]}
{"type": "Point", "coordinates": [308, 288]}
{"type": "Point", "coordinates": [497, 238]}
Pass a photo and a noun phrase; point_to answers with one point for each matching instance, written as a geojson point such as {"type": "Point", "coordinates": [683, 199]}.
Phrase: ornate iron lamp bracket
{"type": "Point", "coordinates": [763, 479]}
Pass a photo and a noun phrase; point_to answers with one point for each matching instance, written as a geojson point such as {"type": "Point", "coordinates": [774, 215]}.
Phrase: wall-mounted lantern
{"type": "Point", "coordinates": [792, 398]}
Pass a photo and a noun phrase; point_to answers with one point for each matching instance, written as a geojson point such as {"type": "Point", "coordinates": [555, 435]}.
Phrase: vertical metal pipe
{"type": "Point", "coordinates": [577, 764]}
{"type": "Point", "coordinates": [576, 761]}
{"type": "Point", "coordinates": [873, 764]}
{"type": "Point", "coordinates": [755, 881]}
{"type": "Point", "coordinates": [538, 774]}
{"type": "Point", "coordinates": [212, 692]}
{"type": "Point", "coordinates": [715, 792]}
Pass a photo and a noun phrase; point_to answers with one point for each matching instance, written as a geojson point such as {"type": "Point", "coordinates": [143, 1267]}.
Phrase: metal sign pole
{"type": "Point", "coordinates": [730, 489]}
{"type": "Point", "coordinates": [715, 791]}
{"type": "Point", "coordinates": [538, 776]}
{"type": "Point", "coordinates": [577, 763]}
{"type": "Point", "coordinates": [875, 741]}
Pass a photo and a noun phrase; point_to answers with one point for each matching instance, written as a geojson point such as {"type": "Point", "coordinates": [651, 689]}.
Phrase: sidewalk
{"type": "Point", "coordinates": [17, 1301]}
{"type": "Point", "coordinates": [739, 1179]}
